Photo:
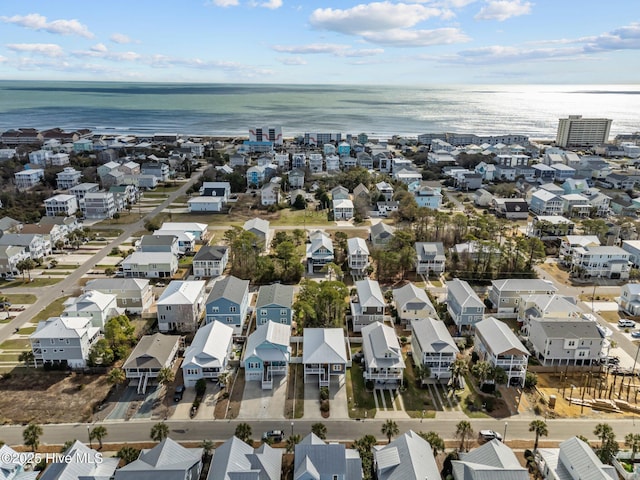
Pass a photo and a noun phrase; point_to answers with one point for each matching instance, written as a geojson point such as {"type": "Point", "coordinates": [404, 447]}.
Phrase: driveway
{"type": "Point", "coordinates": [130, 405]}
{"type": "Point", "coordinates": [337, 400]}
{"type": "Point", "coordinates": [263, 404]}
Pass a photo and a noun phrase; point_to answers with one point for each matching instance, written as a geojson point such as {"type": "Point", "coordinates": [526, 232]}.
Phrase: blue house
{"type": "Point", "coordinates": [574, 185]}
{"type": "Point", "coordinates": [427, 196]}
{"type": "Point", "coordinates": [267, 353]}
{"type": "Point", "coordinates": [274, 303]}
{"type": "Point", "coordinates": [228, 303]}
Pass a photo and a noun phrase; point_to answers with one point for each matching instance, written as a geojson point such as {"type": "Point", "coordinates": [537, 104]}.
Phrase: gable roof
{"type": "Point", "coordinates": [381, 347]}
{"type": "Point", "coordinates": [117, 284]}
{"type": "Point", "coordinates": [212, 341]}
{"type": "Point", "coordinates": [369, 293]}
{"type": "Point", "coordinates": [210, 252]}
{"type": "Point", "coordinates": [153, 351]}
{"type": "Point", "coordinates": [235, 460]}
{"type": "Point", "coordinates": [230, 288]}
{"type": "Point", "coordinates": [579, 328]}
{"type": "Point", "coordinates": [321, 460]}
{"type": "Point", "coordinates": [258, 224]}
{"type": "Point", "coordinates": [408, 457]}
{"type": "Point", "coordinates": [523, 285]}
{"type": "Point", "coordinates": [81, 470]}
{"type": "Point", "coordinates": [433, 336]}
{"type": "Point", "coordinates": [491, 461]}
{"type": "Point", "coordinates": [381, 228]}
{"type": "Point", "coordinates": [357, 246]}
{"type": "Point", "coordinates": [182, 292]}
{"type": "Point", "coordinates": [324, 345]}
{"type": "Point", "coordinates": [499, 338]}
{"type": "Point", "coordinates": [430, 250]}
{"type": "Point", "coordinates": [464, 294]}
{"type": "Point", "coordinates": [269, 333]}
{"type": "Point", "coordinates": [157, 463]}
{"type": "Point", "coordinates": [411, 293]}
{"type": "Point", "coordinates": [64, 327]}
{"type": "Point", "coordinates": [275, 295]}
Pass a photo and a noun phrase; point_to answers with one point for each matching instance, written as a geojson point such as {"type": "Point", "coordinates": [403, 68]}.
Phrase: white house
{"type": "Point", "coordinates": [383, 362]}
{"type": "Point", "coordinates": [574, 460]}
{"type": "Point", "coordinates": [601, 261]}
{"type": "Point", "coordinates": [150, 355]}
{"type": "Point", "coordinates": [357, 255]}
{"type": "Point", "coordinates": [412, 303]}
{"type": "Point", "coordinates": [433, 347]}
{"type": "Point", "coordinates": [99, 306]}
{"type": "Point", "coordinates": [629, 299]}
{"type": "Point", "coordinates": [210, 261]}
{"type": "Point", "coordinates": [324, 354]}
{"type": "Point", "coordinates": [181, 305]}
{"type": "Point", "coordinates": [319, 251]}
{"type": "Point", "coordinates": [64, 341]}
{"type": "Point", "coordinates": [64, 205]}
{"type": "Point", "coordinates": [28, 178]}
{"type": "Point", "coordinates": [208, 355]}
{"type": "Point", "coordinates": [430, 258]}
{"type": "Point", "coordinates": [368, 305]}
{"type": "Point", "coordinates": [342, 209]}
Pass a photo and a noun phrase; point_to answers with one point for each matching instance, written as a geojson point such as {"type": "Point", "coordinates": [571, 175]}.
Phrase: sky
{"type": "Point", "coordinates": [405, 42]}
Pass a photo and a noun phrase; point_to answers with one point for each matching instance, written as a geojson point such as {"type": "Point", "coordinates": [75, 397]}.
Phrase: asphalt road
{"type": "Point", "coordinates": [46, 295]}
{"type": "Point", "coordinates": [337, 430]}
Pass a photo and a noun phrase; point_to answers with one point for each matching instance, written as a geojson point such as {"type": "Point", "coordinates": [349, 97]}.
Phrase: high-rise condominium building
{"type": "Point", "coordinates": [576, 131]}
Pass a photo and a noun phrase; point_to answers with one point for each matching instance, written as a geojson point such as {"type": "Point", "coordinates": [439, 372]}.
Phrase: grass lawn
{"type": "Point", "coordinates": [415, 399]}
{"type": "Point", "coordinates": [36, 282]}
{"type": "Point", "coordinates": [155, 195]}
{"type": "Point", "coordinates": [65, 266]}
{"type": "Point", "coordinates": [5, 320]}
{"type": "Point", "coordinates": [109, 232]}
{"type": "Point", "coordinates": [124, 219]}
{"type": "Point", "coordinates": [9, 357]}
{"type": "Point", "coordinates": [610, 316]}
{"type": "Point", "coordinates": [21, 298]}
{"type": "Point", "coordinates": [294, 404]}
{"type": "Point", "coordinates": [436, 283]}
{"type": "Point", "coordinates": [26, 330]}
{"type": "Point", "coordinates": [53, 310]}
{"type": "Point", "coordinates": [468, 392]}
{"type": "Point", "coordinates": [300, 217]}
{"type": "Point", "coordinates": [360, 400]}
{"type": "Point", "coordinates": [16, 344]}
{"type": "Point", "coordinates": [63, 273]}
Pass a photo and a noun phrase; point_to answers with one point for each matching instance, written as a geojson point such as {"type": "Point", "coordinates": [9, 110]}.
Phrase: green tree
{"type": "Point", "coordinates": [98, 433]}
{"type": "Point", "coordinates": [321, 304]}
{"type": "Point", "coordinates": [632, 440]}
{"type": "Point", "coordinates": [116, 376]}
{"type": "Point", "coordinates": [65, 446]}
{"type": "Point", "coordinates": [390, 429]}
{"type": "Point", "coordinates": [159, 432]}
{"type": "Point", "coordinates": [482, 371]}
{"type": "Point", "coordinates": [608, 445]}
{"type": "Point", "coordinates": [299, 203]}
{"type": "Point", "coordinates": [201, 387]}
{"type": "Point", "coordinates": [27, 265]}
{"type": "Point", "coordinates": [166, 376]}
{"type": "Point", "coordinates": [319, 430]}
{"type": "Point", "coordinates": [128, 454]}
{"type": "Point", "coordinates": [101, 354]}
{"type": "Point", "coordinates": [31, 436]}
{"type": "Point", "coordinates": [27, 357]}
{"type": "Point", "coordinates": [463, 432]}
{"type": "Point", "coordinates": [500, 376]}
{"type": "Point", "coordinates": [540, 429]}
{"type": "Point", "coordinates": [245, 248]}
{"type": "Point", "coordinates": [243, 432]}
{"type": "Point", "coordinates": [459, 368]}
{"type": "Point", "coordinates": [435, 440]}
{"type": "Point", "coordinates": [364, 446]}
{"type": "Point", "coordinates": [207, 448]}
{"type": "Point", "coordinates": [291, 442]}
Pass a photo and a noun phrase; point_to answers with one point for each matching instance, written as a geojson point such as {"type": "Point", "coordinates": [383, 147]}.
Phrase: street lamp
{"type": "Point", "coordinates": [504, 437]}
{"type": "Point", "coordinates": [89, 434]}
{"type": "Point", "coordinates": [292, 429]}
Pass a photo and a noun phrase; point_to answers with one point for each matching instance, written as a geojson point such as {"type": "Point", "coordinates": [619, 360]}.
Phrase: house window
{"type": "Point", "coordinates": [229, 320]}
{"type": "Point", "coordinates": [336, 367]}
{"type": "Point", "coordinates": [232, 309]}
{"type": "Point", "coordinates": [283, 320]}
{"type": "Point", "coordinates": [52, 341]}
{"type": "Point", "coordinates": [214, 309]}
{"type": "Point", "coordinates": [263, 312]}
{"type": "Point", "coordinates": [283, 311]}
{"type": "Point", "coordinates": [572, 343]}
{"type": "Point", "coordinates": [168, 307]}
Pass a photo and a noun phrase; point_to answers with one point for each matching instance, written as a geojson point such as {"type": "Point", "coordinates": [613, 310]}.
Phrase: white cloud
{"type": "Point", "coordinates": [45, 49]}
{"type": "Point", "coordinates": [120, 38]}
{"type": "Point", "coordinates": [292, 61]}
{"type": "Point", "coordinates": [371, 17]}
{"type": "Point", "coordinates": [336, 49]}
{"type": "Point", "coordinates": [3, 59]}
{"type": "Point", "coordinates": [272, 4]}
{"type": "Point", "coordinates": [99, 47]}
{"type": "Point", "coordinates": [417, 38]}
{"type": "Point", "coordinates": [502, 10]}
{"type": "Point", "coordinates": [224, 3]}
{"type": "Point", "coordinates": [35, 21]}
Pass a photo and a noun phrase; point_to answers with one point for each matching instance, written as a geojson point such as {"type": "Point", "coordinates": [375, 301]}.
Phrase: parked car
{"type": "Point", "coordinates": [488, 435]}
{"type": "Point", "coordinates": [635, 334]}
{"type": "Point", "coordinates": [626, 323]}
{"type": "Point", "coordinates": [275, 435]}
{"type": "Point", "coordinates": [178, 393]}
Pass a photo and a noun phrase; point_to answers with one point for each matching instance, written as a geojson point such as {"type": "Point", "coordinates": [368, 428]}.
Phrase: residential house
{"type": "Point", "coordinates": [296, 178]}
{"type": "Point", "coordinates": [633, 248]}
{"type": "Point", "coordinates": [620, 182]}
{"type": "Point", "coordinates": [181, 306]}
{"type": "Point", "coordinates": [210, 261]}
{"type": "Point", "coordinates": [82, 189]}
{"type": "Point", "coordinates": [545, 306]}
{"type": "Point", "coordinates": [496, 344]}
{"type": "Point", "coordinates": [166, 461]}
{"type": "Point", "coordinates": [562, 172]}
{"type": "Point", "coordinates": [267, 353]}
{"type": "Point", "coordinates": [357, 255]}
{"type": "Point", "coordinates": [332, 163]}
{"type": "Point", "coordinates": [574, 460]}
{"type": "Point", "coordinates": [339, 193]}
{"type": "Point", "coordinates": [544, 202]}
{"type": "Point", "coordinates": [159, 244]}
{"type": "Point", "coordinates": [130, 168]}
{"type": "Point", "coordinates": [40, 157]}
{"type": "Point", "coordinates": [575, 185]}
{"type": "Point", "coordinates": [324, 354]}
{"type": "Point", "coordinates": [69, 177]}
{"type": "Point", "coordinates": [506, 173]}
{"type": "Point", "coordinates": [63, 341]}
{"type": "Point", "coordinates": [133, 295]}
{"type": "Point", "coordinates": [629, 299]}
{"type": "Point", "coordinates": [482, 197]}
{"type": "Point", "coordinates": [601, 261]}
{"type": "Point", "coordinates": [208, 355]}
{"type": "Point", "coordinates": [150, 265]}
{"type": "Point", "coordinates": [13, 464]}
{"type": "Point", "coordinates": [380, 234]}
{"type": "Point", "coordinates": [186, 240]}
{"type": "Point", "coordinates": [299, 161]}
{"type": "Point", "coordinates": [433, 347]}
{"type": "Point", "coordinates": [238, 160]}
{"type": "Point", "coordinates": [428, 196]}
{"type": "Point", "coordinates": [36, 245]}
{"type": "Point", "coordinates": [575, 205]}
{"type": "Point", "coordinates": [100, 307]}
{"type": "Point", "coordinates": [505, 295]}
{"type": "Point", "coordinates": [79, 462]}
{"type": "Point", "coordinates": [385, 189]}
{"type": "Point", "coordinates": [235, 460]}
{"type": "Point", "coordinates": [9, 225]}
{"type": "Point", "coordinates": [28, 178]}
{"type": "Point", "coordinates": [487, 170]}
{"type": "Point", "coordinates": [160, 170]}
{"type": "Point", "coordinates": [470, 181]}
{"type": "Point", "coordinates": [576, 342]}
{"type": "Point", "coordinates": [316, 459]}
{"type": "Point", "coordinates": [228, 302]}
{"type": "Point", "coordinates": [150, 355]}
{"type": "Point", "coordinates": [407, 457]}
{"type": "Point", "coordinates": [319, 251]}
{"type": "Point", "coordinates": [368, 305]}
{"type": "Point", "coordinates": [205, 204]}
{"type": "Point", "coordinates": [412, 303]}
{"type": "Point", "coordinates": [260, 228]}
{"type": "Point", "coordinates": [545, 173]}
{"type": "Point", "coordinates": [550, 227]}
{"type": "Point", "coordinates": [383, 362]}
{"type": "Point", "coordinates": [362, 193]}
{"type": "Point", "coordinates": [65, 205]}
{"type": "Point", "coordinates": [256, 175]}
{"type": "Point", "coordinates": [59, 159]}
{"type": "Point", "coordinates": [125, 195]}
{"type": "Point", "coordinates": [98, 205]}
{"type": "Point", "coordinates": [473, 251]}
{"type": "Point", "coordinates": [275, 303]}
{"type": "Point", "coordinates": [343, 209]}
{"type": "Point", "coordinates": [10, 256]}
{"type": "Point", "coordinates": [430, 258]}
{"type": "Point", "coordinates": [493, 460]}
{"type": "Point", "coordinates": [270, 194]}
{"type": "Point", "coordinates": [463, 304]}
{"type": "Point", "coordinates": [569, 242]}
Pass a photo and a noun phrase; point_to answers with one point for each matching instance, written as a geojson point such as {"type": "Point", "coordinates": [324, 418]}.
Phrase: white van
{"type": "Point", "coordinates": [625, 323]}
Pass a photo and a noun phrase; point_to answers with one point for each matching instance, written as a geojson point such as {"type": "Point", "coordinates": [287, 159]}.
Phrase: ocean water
{"type": "Point", "coordinates": [380, 111]}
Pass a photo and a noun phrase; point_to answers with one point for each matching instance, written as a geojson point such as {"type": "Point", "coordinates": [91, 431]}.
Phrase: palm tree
{"type": "Point", "coordinates": [165, 377]}
{"type": "Point", "coordinates": [458, 368]}
{"type": "Point", "coordinates": [319, 430]}
{"type": "Point", "coordinates": [31, 436]}
{"type": "Point", "coordinates": [608, 445]}
{"type": "Point", "coordinates": [159, 432]}
{"type": "Point", "coordinates": [65, 446]}
{"type": "Point", "coordinates": [27, 357]}
{"type": "Point", "coordinates": [390, 429]}
{"type": "Point", "coordinates": [632, 440]}
{"type": "Point", "coordinates": [435, 440]}
{"type": "Point", "coordinates": [291, 443]}
{"type": "Point", "coordinates": [98, 433]}
{"type": "Point", "coordinates": [116, 377]}
{"type": "Point", "coordinates": [207, 447]}
{"type": "Point", "coordinates": [482, 371]}
{"type": "Point", "coordinates": [243, 432]}
{"type": "Point", "coordinates": [540, 429]}
{"type": "Point", "coordinates": [603, 431]}
{"type": "Point", "coordinates": [128, 454]}
{"type": "Point", "coordinates": [463, 431]}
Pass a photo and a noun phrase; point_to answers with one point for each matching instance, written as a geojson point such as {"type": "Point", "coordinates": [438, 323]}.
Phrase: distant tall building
{"type": "Point", "coordinates": [266, 134]}
{"type": "Point", "coordinates": [320, 139]}
{"type": "Point", "coordinates": [576, 131]}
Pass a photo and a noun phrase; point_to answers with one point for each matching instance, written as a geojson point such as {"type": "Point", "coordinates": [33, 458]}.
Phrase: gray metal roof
{"type": "Point", "coordinates": [499, 338]}
{"type": "Point", "coordinates": [324, 460]}
{"type": "Point", "coordinates": [524, 285]}
{"type": "Point", "coordinates": [256, 225]}
{"type": "Point", "coordinates": [235, 460]}
{"type": "Point", "coordinates": [81, 470]}
{"type": "Point", "coordinates": [324, 345]}
{"type": "Point", "coordinates": [491, 461]}
{"type": "Point", "coordinates": [411, 293]}
{"type": "Point", "coordinates": [380, 228]}
{"type": "Point", "coordinates": [579, 328]}
{"type": "Point", "coordinates": [408, 457]}
{"type": "Point", "coordinates": [578, 458]}
{"type": "Point", "coordinates": [433, 336]}
{"type": "Point", "coordinates": [275, 295]}
{"type": "Point", "coordinates": [148, 240]}
{"type": "Point", "coordinates": [152, 351]}
{"type": "Point", "coordinates": [430, 250]}
{"type": "Point", "coordinates": [381, 347]}
{"type": "Point", "coordinates": [270, 333]}
{"type": "Point", "coordinates": [464, 294]}
{"type": "Point", "coordinates": [369, 293]}
{"type": "Point", "coordinates": [230, 288]}
{"type": "Point", "coordinates": [213, 252]}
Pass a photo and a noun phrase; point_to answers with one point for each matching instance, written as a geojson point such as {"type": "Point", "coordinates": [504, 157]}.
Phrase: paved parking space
{"type": "Point", "coordinates": [337, 400]}
{"type": "Point", "coordinates": [267, 404]}
{"type": "Point", "coordinates": [131, 405]}
{"type": "Point", "coordinates": [183, 407]}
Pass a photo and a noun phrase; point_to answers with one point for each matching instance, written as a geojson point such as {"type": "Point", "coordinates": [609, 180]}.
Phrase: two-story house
{"type": "Point", "coordinates": [324, 354]}
{"type": "Point", "coordinates": [208, 355]}
{"type": "Point", "coordinates": [601, 261]}
{"type": "Point", "coordinates": [235, 459]}
{"type": "Point", "coordinates": [433, 347]}
{"type": "Point", "coordinates": [544, 202]}
{"type": "Point", "coordinates": [319, 251]}
{"type": "Point", "coordinates": [150, 265]}
{"type": "Point", "coordinates": [260, 228]}
{"type": "Point", "coordinates": [275, 303]}
{"type": "Point", "coordinates": [368, 305]}
{"type": "Point", "coordinates": [167, 460]}
{"type": "Point", "coordinates": [545, 306]}
{"type": "Point", "coordinates": [412, 303]}
{"type": "Point", "coordinates": [133, 295]}
{"type": "Point", "coordinates": [430, 258]}
{"type": "Point", "coordinates": [186, 240]}
{"type": "Point", "coordinates": [69, 177]}
{"type": "Point", "coordinates": [576, 342]}
{"type": "Point", "coordinates": [149, 357]}
{"type": "Point", "coordinates": [181, 306]}
{"type": "Point", "coordinates": [505, 294]}
{"type": "Point", "coordinates": [159, 243]}
{"type": "Point", "coordinates": [496, 344]}
{"type": "Point", "coordinates": [569, 242]}
{"type": "Point", "coordinates": [98, 306]}
{"type": "Point", "coordinates": [267, 353]}
{"type": "Point", "coordinates": [463, 304]}
{"type": "Point", "coordinates": [64, 341]}
{"type": "Point", "coordinates": [381, 234]}
{"type": "Point", "coordinates": [98, 205]}
{"type": "Point", "coordinates": [228, 302]}
{"type": "Point", "coordinates": [357, 255]}
{"type": "Point", "coordinates": [317, 459]}
{"type": "Point", "coordinates": [210, 261]}
{"type": "Point", "coordinates": [383, 362]}
{"type": "Point", "coordinates": [630, 298]}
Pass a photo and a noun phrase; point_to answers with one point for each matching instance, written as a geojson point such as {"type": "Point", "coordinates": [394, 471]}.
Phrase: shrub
{"type": "Point", "coordinates": [530, 380]}
{"type": "Point", "coordinates": [201, 387]}
{"type": "Point", "coordinates": [324, 393]}
{"type": "Point", "coordinates": [324, 406]}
